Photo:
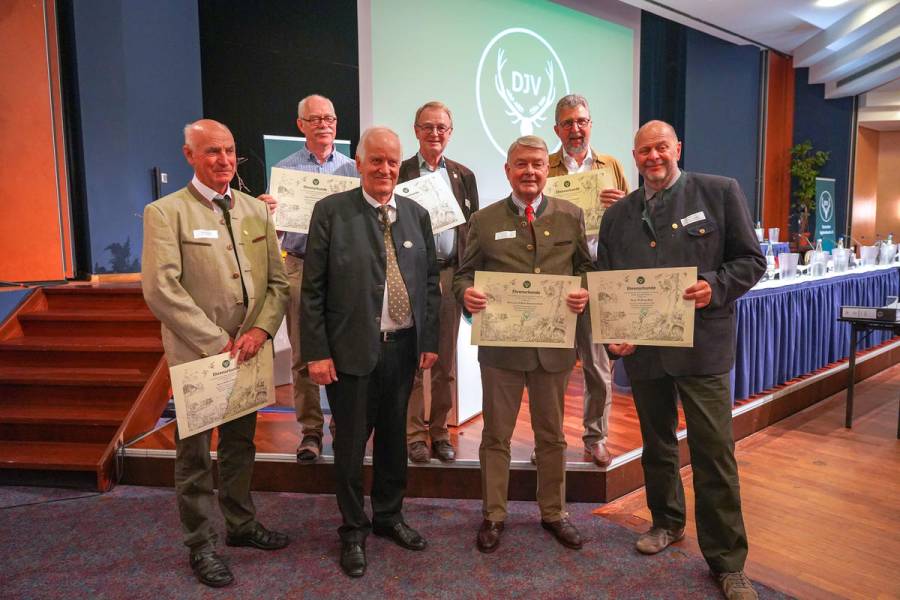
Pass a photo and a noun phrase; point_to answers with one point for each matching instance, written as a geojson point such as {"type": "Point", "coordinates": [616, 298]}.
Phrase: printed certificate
{"type": "Point", "coordinates": [525, 310]}
{"type": "Point", "coordinates": [643, 307]}
{"type": "Point", "coordinates": [214, 390]}
{"type": "Point", "coordinates": [434, 195]}
{"type": "Point", "coordinates": [583, 190]}
{"type": "Point", "coordinates": [297, 193]}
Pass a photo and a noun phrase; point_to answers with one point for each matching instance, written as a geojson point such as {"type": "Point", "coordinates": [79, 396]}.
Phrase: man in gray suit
{"type": "Point", "coordinates": [369, 319]}
{"type": "Point", "coordinates": [212, 273]}
{"type": "Point", "coordinates": [688, 219]}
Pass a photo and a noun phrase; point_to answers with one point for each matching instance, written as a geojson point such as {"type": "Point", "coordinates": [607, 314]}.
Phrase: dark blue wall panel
{"type": "Point", "coordinates": [827, 124]}
{"type": "Point", "coordinates": [722, 110]}
{"type": "Point", "coordinates": [10, 299]}
{"type": "Point", "coordinates": [139, 83]}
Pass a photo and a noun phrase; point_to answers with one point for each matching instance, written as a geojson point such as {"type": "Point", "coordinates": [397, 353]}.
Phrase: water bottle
{"type": "Point", "coordinates": [770, 262]}
{"type": "Point", "coordinates": [817, 269]}
{"type": "Point", "coordinates": [888, 250]}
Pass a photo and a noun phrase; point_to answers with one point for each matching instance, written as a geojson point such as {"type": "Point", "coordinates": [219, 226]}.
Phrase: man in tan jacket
{"type": "Point", "coordinates": [525, 233]}
{"type": "Point", "coordinates": [212, 273]}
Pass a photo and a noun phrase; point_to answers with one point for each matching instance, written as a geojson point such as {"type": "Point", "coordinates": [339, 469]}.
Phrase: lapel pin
{"type": "Point", "coordinates": [407, 244]}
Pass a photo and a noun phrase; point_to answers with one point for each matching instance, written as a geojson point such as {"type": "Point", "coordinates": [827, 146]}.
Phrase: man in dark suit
{"type": "Point", "coordinates": [369, 302]}
{"type": "Point", "coordinates": [688, 219]}
{"type": "Point", "coordinates": [525, 233]}
{"type": "Point", "coordinates": [433, 127]}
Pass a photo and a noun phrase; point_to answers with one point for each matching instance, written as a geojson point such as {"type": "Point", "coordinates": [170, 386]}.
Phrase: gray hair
{"type": "Point", "coordinates": [377, 129]}
{"type": "Point", "coordinates": [529, 141]}
{"type": "Point", "coordinates": [571, 101]}
{"type": "Point", "coordinates": [301, 106]}
{"type": "Point", "coordinates": [434, 104]}
{"type": "Point", "coordinates": [191, 129]}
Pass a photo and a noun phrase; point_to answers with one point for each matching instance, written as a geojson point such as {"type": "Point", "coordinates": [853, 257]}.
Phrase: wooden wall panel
{"type": "Point", "coordinates": [865, 186]}
{"type": "Point", "coordinates": [779, 138]}
{"type": "Point", "coordinates": [887, 217]}
{"type": "Point", "coordinates": [32, 215]}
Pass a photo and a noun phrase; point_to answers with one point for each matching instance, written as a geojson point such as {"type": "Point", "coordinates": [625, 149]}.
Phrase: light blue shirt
{"type": "Point", "coordinates": [304, 160]}
{"type": "Point", "coordinates": [445, 241]}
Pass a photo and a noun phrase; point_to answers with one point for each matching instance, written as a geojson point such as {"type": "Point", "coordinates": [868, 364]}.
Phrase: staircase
{"type": "Point", "coordinates": [81, 371]}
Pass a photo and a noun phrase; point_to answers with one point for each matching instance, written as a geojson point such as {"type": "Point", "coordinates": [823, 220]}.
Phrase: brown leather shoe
{"type": "Point", "coordinates": [418, 452]}
{"type": "Point", "coordinates": [564, 532]}
{"type": "Point", "coordinates": [658, 539]}
{"type": "Point", "coordinates": [443, 450]}
{"type": "Point", "coordinates": [736, 586]}
{"type": "Point", "coordinates": [599, 454]}
{"type": "Point", "coordinates": [309, 449]}
{"type": "Point", "coordinates": [489, 535]}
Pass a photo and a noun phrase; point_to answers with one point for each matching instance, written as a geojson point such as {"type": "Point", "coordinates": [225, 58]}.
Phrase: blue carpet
{"type": "Point", "coordinates": [126, 544]}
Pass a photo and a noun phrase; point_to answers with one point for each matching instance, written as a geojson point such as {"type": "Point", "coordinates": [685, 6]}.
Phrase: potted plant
{"type": "Point", "coordinates": [805, 167]}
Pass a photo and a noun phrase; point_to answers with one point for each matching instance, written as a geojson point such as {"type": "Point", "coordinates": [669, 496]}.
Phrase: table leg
{"type": "Point", "coordinates": [851, 374]}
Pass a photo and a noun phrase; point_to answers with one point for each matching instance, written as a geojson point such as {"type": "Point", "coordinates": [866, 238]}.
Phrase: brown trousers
{"type": "Point", "coordinates": [502, 397]}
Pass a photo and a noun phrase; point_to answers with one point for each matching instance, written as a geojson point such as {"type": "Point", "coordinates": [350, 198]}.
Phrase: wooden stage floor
{"type": "Point", "coordinates": [277, 431]}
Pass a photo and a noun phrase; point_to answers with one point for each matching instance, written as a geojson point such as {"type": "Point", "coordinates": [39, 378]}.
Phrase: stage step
{"type": "Point", "coordinates": [61, 456]}
{"type": "Point", "coordinates": [80, 369]}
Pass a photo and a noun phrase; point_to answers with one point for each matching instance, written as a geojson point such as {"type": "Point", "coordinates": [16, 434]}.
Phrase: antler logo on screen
{"type": "Point", "coordinates": [826, 204]}
{"type": "Point", "coordinates": [519, 79]}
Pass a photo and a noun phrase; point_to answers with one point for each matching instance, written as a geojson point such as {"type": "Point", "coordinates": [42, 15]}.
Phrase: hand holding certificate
{"type": "Point", "coordinates": [525, 310]}
{"type": "Point", "coordinates": [583, 190]}
{"type": "Point", "coordinates": [642, 307]}
{"type": "Point", "coordinates": [214, 390]}
{"type": "Point", "coordinates": [297, 193]}
{"type": "Point", "coordinates": [433, 194]}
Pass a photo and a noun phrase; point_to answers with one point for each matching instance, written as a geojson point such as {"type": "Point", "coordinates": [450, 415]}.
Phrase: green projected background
{"type": "Point", "coordinates": [500, 66]}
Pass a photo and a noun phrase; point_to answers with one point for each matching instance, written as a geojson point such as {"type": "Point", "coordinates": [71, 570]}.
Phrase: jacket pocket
{"type": "Point", "coordinates": [193, 243]}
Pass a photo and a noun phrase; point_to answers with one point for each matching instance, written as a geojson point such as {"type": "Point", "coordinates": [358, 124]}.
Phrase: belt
{"type": "Point", "coordinates": [295, 254]}
{"type": "Point", "coordinates": [396, 335]}
{"type": "Point", "coordinates": [446, 262]}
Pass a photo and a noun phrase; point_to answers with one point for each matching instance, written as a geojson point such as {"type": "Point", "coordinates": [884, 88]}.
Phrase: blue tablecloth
{"type": "Point", "coordinates": [777, 249]}
{"type": "Point", "coordinates": [789, 331]}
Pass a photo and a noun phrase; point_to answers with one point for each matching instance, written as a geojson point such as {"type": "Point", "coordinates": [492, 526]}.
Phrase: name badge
{"type": "Point", "coordinates": [697, 216]}
{"type": "Point", "coordinates": [211, 234]}
{"type": "Point", "coordinates": [504, 235]}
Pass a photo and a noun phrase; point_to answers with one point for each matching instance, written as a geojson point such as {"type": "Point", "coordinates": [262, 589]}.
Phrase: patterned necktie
{"type": "Point", "coordinates": [397, 295]}
{"type": "Point", "coordinates": [224, 202]}
{"type": "Point", "coordinates": [529, 213]}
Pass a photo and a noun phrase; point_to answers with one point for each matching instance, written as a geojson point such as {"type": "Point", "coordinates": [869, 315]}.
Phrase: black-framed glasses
{"type": "Point", "coordinates": [438, 129]}
{"type": "Point", "coordinates": [319, 119]}
{"type": "Point", "coordinates": [570, 123]}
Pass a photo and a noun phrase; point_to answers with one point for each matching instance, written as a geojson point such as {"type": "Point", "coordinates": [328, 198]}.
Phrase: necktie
{"type": "Point", "coordinates": [655, 203]}
{"type": "Point", "coordinates": [224, 203]}
{"type": "Point", "coordinates": [397, 294]}
{"type": "Point", "coordinates": [529, 213]}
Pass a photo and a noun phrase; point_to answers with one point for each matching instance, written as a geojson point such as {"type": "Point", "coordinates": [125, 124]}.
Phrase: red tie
{"type": "Point", "coordinates": [529, 213]}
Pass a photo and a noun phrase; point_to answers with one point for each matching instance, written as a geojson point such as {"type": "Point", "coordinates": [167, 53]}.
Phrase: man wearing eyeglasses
{"type": "Point", "coordinates": [433, 125]}
{"type": "Point", "coordinates": [573, 127]}
{"type": "Point", "coordinates": [317, 121]}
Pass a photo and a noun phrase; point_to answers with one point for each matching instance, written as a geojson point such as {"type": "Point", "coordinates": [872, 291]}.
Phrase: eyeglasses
{"type": "Point", "coordinates": [439, 129]}
{"type": "Point", "coordinates": [319, 119]}
{"type": "Point", "coordinates": [569, 123]}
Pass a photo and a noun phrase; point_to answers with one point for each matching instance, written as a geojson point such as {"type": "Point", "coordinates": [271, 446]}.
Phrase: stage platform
{"type": "Point", "coordinates": [149, 460]}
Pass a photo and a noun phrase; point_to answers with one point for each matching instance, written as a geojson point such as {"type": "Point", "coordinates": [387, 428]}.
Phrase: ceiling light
{"type": "Point", "coordinates": [829, 3]}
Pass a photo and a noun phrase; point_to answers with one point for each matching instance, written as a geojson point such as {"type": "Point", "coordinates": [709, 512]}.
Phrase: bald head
{"type": "Point", "coordinates": [378, 157]}
{"type": "Point", "coordinates": [209, 149]}
{"type": "Point", "coordinates": [656, 154]}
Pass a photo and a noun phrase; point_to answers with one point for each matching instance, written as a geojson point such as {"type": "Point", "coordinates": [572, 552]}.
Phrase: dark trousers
{"type": "Point", "coordinates": [194, 481]}
{"type": "Point", "coordinates": [707, 410]}
{"type": "Point", "coordinates": [359, 405]}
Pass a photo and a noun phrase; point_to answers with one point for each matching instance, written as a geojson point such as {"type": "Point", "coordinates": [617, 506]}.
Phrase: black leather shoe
{"type": "Point", "coordinates": [443, 450]}
{"type": "Point", "coordinates": [353, 559]}
{"type": "Point", "coordinates": [210, 569]}
{"type": "Point", "coordinates": [259, 537]}
{"type": "Point", "coordinates": [403, 535]}
{"type": "Point", "coordinates": [564, 532]}
{"type": "Point", "coordinates": [489, 536]}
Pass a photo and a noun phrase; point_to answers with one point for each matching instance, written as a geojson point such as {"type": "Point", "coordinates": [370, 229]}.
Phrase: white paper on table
{"type": "Point", "coordinates": [433, 194]}
{"type": "Point", "coordinates": [297, 193]}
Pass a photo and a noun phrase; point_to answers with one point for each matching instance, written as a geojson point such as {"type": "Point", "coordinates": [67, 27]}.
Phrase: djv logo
{"type": "Point", "coordinates": [518, 81]}
{"type": "Point", "coordinates": [827, 205]}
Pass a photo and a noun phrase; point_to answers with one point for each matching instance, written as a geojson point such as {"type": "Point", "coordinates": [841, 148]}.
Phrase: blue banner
{"type": "Point", "coordinates": [825, 213]}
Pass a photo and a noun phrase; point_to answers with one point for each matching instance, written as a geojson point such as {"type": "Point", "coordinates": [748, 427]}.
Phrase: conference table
{"type": "Point", "coordinates": [790, 328]}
